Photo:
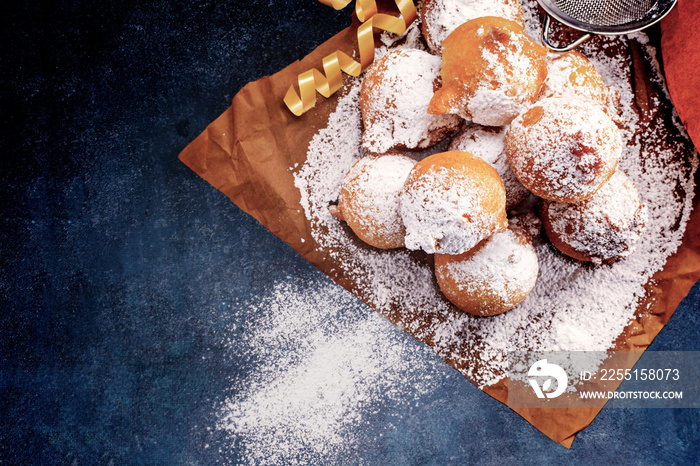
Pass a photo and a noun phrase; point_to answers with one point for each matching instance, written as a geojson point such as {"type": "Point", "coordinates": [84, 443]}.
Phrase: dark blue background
{"type": "Point", "coordinates": [116, 257]}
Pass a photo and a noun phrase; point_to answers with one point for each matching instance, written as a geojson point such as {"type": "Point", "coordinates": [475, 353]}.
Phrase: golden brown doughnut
{"type": "Point", "coordinates": [491, 71]}
{"type": "Point", "coordinates": [563, 149]}
{"type": "Point", "coordinates": [368, 199]}
{"type": "Point", "coordinates": [571, 74]}
{"type": "Point", "coordinates": [602, 228]}
{"type": "Point", "coordinates": [493, 277]}
{"type": "Point", "coordinates": [394, 98]}
{"type": "Point", "coordinates": [450, 202]}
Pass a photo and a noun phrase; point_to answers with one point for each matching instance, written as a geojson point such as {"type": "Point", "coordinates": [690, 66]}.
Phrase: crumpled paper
{"type": "Point", "coordinates": [247, 153]}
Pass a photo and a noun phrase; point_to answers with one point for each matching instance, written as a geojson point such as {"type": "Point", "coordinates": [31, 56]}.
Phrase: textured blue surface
{"type": "Point", "coordinates": [119, 265]}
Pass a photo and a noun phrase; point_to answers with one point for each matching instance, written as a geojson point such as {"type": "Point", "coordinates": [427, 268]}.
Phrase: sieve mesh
{"type": "Point", "coordinates": [606, 12]}
{"type": "Point", "coordinates": [602, 17]}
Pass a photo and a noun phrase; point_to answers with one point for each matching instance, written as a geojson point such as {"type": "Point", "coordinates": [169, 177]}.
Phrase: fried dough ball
{"type": "Point", "coordinates": [493, 277]}
{"type": "Point", "coordinates": [394, 98]}
{"type": "Point", "coordinates": [450, 202]}
{"type": "Point", "coordinates": [440, 17]}
{"type": "Point", "coordinates": [369, 202]}
{"type": "Point", "coordinates": [488, 143]}
{"type": "Point", "coordinates": [491, 71]}
{"type": "Point", "coordinates": [571, 74]}
{"type": "Point", "coordinates": [602, 228]}
{"type": "Point", "coordinates": [563, 149]}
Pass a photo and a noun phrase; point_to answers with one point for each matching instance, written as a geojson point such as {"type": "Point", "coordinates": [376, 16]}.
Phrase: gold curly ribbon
{"type": "Point", "coordinates": [337, 4]}
{"type": "Point", "coordinates": [313, 80]}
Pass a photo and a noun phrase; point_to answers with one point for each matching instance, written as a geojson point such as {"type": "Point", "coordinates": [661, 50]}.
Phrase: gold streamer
{"type": "Point", "coordinates": [337, 62]}
{"type": "Point", "coordinates": [337, 4]}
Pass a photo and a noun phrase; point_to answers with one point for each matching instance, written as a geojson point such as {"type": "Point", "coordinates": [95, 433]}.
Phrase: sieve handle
{"type": "Point", "coordinates": [566, 48]}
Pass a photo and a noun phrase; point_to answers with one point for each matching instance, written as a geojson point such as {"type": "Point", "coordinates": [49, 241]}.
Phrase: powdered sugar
{"type": "Point", "coordinates": [395, 94]}
{"type": "Point", "coordinates": [572, 307]}
{"type": "Point", "coordinates": [312, 339]}
{"type": "Point", "coordinates": [504, 267]}
{"type": "Point", "coordinates": [441, 17]}
{"type": "Point", "coordinates": [605, 226]}
{"type": "Point", "coordinates": [492, 107]}
{"type": "Point", "coordinates": [369, 199]}
{"type": "Point", "coordinates": [563, 149]}
{"type": "Point", "coordinates": [321, 364]}
{"type": "Point", "coordinates": [445, 204]}
{"type": "Point", "coordinates": [488, 144]}
{"type": "Point", "coordinates": [503, 96]}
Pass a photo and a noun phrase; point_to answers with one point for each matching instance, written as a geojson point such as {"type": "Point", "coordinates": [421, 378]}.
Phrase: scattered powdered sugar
{"type": "Point", "coordinates": [533, 24]}
{"type": "Point", "coordinates": [337, 149]}
{"type": "Point", "coordinates": [321, 364]}
{"type": "Point", "coordinates": [441, 17]}
{"type": "Point", "coordinates": [412, 38]}
{"type": "Point", "coordinates": [574, 306]}
{"type": "Point", "coordinates": [400, 119]}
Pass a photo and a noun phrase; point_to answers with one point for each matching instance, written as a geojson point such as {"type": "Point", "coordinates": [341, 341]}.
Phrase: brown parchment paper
{"type": "Point", "coordinates": [247, 153]}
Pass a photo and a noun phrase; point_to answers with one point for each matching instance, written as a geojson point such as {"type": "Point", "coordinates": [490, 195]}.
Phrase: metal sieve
{"type": "Point", "coordinates": [609, 17]}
